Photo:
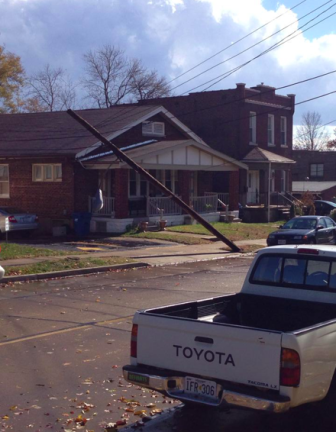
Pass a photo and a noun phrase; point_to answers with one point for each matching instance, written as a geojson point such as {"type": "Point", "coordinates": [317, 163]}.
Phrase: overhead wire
{"type": "Point", "coordinates": [236, 42]}
{"type": "Point", "coordinates": [286, 39]}
{"type": "Point", "coordinates": [256, 44]}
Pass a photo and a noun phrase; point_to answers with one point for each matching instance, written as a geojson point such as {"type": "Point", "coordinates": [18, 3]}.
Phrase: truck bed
{"type": "Point", "coordinates": [267, 313]}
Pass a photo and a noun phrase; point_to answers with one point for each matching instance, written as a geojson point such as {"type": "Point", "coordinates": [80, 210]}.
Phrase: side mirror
{"type": "Point", "coordinates": [319, 227]}
{"type": "Point", "coordinates": [280, 226]}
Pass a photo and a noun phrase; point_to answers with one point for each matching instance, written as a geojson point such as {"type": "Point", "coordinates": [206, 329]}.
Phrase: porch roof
{"type": "Point", "coordinates": [178, 154]}
{"type": "Point", "coordinates": [258, 155]}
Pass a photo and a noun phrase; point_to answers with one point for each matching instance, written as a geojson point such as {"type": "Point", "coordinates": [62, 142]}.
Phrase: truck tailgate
{"type": "Point", "coordinates": [225, 352]}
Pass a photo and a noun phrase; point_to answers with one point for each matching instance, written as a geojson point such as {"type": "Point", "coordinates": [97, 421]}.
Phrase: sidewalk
{"type": "Point", "coordinates": [156, 255]}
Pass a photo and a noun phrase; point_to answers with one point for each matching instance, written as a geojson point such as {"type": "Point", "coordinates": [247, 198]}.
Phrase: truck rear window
{"type": "Point", "coordinates": [305, 272]}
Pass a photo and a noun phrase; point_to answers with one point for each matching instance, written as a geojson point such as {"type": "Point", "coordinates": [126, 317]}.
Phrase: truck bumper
{"type": "Point", "coordinates": [173, 386]}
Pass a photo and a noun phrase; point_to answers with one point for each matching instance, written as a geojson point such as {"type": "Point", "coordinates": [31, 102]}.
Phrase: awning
{"type": "Point", "coordinates": [178, 155]}
{"type": "Point", "coordinates": [257, 158]}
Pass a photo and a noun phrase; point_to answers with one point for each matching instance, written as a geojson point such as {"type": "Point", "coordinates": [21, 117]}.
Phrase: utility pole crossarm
{"type": "Point", "coordinates": [121, 155]}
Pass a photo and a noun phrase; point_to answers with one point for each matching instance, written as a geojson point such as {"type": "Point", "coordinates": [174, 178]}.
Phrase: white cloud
{"type": "Point", "coordinates": [172, 36]}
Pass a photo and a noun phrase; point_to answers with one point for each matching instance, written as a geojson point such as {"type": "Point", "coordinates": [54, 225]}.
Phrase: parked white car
{"type": "Point", "coordinates": [270, 347]}
{"type": "Point", "coordinates": [14, 219]}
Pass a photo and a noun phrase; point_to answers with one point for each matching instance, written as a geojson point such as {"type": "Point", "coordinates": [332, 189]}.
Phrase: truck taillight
{"type": "Point", "coordinates": [134, 340]}
{"type": "Point", "coordinates": [290, 368]}
{"type": "Point", "coordinates": [12, 219]}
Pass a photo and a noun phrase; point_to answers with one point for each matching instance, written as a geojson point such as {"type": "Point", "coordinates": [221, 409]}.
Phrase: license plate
{"type": "Point", "coordinates": [281, 241]}
{"type": "Point", "coordinates": [139, 379]}
{"type": "Point", "coordinates": [200, 387]}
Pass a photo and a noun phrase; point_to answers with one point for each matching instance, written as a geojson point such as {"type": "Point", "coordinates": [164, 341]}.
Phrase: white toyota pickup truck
{"type": "Point", "coordinates": [271, 346]}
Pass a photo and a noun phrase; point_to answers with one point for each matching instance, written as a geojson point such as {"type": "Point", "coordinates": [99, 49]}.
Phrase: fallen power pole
{"type": "Point", "coordinates": [121, 155]}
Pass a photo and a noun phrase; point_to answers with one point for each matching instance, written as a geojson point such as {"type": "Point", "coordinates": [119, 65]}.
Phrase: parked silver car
{"type": "Point", "coordinates": [14, 219]}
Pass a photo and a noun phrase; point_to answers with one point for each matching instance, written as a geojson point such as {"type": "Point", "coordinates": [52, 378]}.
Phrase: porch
{"type": "Point", "coordinates": [187, 168]}
{"type": "Point", "coordinates": [152, 209]}
{"type": "Point", "coordinates": [267, 184]}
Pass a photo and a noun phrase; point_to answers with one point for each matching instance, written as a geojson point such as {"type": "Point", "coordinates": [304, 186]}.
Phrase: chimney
{"type": "Point", "coordinates": [241, 90]}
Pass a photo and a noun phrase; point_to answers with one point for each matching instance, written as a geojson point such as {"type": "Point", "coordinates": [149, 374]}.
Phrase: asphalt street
{"type": "Point", "coordinates": [63, 343]}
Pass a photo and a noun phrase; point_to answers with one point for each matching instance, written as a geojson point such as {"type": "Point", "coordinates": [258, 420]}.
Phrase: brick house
{"type": "Point", "coordinates": [238, 122]}
{"type": "Point", "coordinates": [51, 166]}
{"type": "Point", "coordinates": [315, 171]}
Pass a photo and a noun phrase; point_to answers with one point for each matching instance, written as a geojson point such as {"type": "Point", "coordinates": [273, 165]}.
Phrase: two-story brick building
{"type": "Point", "coordinates": [315, 171]}
{"type": "Point", "coordinates": [253, 125]}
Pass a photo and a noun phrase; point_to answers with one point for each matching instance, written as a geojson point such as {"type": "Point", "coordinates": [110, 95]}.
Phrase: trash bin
{"type": "Point", "coordinates": [82, 223]}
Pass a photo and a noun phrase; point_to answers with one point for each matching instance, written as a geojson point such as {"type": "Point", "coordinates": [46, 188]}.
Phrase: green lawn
{"type": "Point", "coordinates": [63, 264]}
{"type": "Point", "coordinates": [233, 231]}
{"type": "Point", "coordinates": [13, 251]}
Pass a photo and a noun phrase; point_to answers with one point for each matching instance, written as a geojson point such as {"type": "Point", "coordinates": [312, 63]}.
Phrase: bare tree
{"type": "Point", "coordinates": [311, 135]}
{"type": "Point", "coordinates": [112, 78]}
{"type": "Point", "coordinates": [149, 85]}
{"type": "Point", "coordinates": [51, 90]}
{"type": "Point", "coordinates": [332, 143]}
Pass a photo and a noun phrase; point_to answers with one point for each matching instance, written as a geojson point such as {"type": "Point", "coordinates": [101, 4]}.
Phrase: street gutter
{"type": "Point", "coordinates": [73, 272]}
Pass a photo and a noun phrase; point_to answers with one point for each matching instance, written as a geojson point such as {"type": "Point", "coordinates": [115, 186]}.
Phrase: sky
{"type": "Point", "coordinates": [173, 36]}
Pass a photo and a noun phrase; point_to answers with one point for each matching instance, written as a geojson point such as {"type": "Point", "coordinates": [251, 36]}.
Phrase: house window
{"type": "Point", "coordinates": [137, 185]}
{"type": "Point", "coordinates": [270, 130]}
{"type": "Point", "coordinates": [283, 131]}
{"type": "Point", "coordinates": [316, 170]}
{"type": "Point", "coordinates": [47, 172]}
{"type": "Point", "coordinates": [253, 128]}
{"type": "Point", "coordinates": [4, 181]}
{"type": "Point", "coordinates": [153, 128]}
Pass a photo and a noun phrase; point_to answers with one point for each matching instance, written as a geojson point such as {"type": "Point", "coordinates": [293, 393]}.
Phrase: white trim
{"type": "Point", "coordinates": [227, 160]}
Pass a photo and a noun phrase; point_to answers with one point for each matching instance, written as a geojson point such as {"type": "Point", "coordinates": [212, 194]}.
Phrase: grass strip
{"type": "Point", "coordinates": [233, 231]}
{"type": "Point", "coordinates": [63, 264]}
{"type": "Point", "coordinates": [14, 251]}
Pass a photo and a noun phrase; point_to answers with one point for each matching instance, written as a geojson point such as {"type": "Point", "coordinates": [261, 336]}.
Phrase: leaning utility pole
{"type": "Point", "coordinates": [121, 155]}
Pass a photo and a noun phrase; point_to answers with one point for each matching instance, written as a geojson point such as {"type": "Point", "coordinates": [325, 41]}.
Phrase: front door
{"type": "Point", "coordinates": [252, 187]}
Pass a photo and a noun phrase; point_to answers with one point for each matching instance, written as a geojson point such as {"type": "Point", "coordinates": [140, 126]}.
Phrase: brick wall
{"type": "Point", "coordinates": [221, 118]}
{"type": "Point", "coordinates": [53, 202]}
{"type": "Point", "coordinates": [304, 158]}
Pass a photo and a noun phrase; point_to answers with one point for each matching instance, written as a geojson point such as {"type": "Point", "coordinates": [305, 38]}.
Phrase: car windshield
{"type": "Point", "coordinates": [301, 223]}
{"type": "Point", "coordinates": [11, 210]}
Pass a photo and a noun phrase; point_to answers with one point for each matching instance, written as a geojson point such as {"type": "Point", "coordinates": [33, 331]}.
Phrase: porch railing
{"type": "Point", "coordinates": [165, 204]}
{"type": "Point", "coordinates": [205, 204]}
{"type": "Point", "coordinates": [222, 196]}
{"type": "Point", "coordinates": [108, 207]}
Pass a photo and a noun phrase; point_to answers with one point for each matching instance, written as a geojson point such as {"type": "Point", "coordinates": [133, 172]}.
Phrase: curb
{"type": "Point", "coordinates": [75, 272]}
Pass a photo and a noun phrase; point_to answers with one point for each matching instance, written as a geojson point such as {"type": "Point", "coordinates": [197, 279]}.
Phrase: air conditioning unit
{"type": "Point", "coordinates": [153, 128]}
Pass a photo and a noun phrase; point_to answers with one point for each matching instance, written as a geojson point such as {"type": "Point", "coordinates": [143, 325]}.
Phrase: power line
{"type": "Point", "coordinates": [236, 42]}
{"type": "Point", "coordinates": [254, 45]}
{"type": "Point", "coordinates": [266, 51]}
{"type": "Point", "coordinates": [294, 34]}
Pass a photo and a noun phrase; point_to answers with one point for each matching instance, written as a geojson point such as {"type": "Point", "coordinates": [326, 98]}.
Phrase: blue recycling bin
{"type": "Point", "coordinates": [82, 223]}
